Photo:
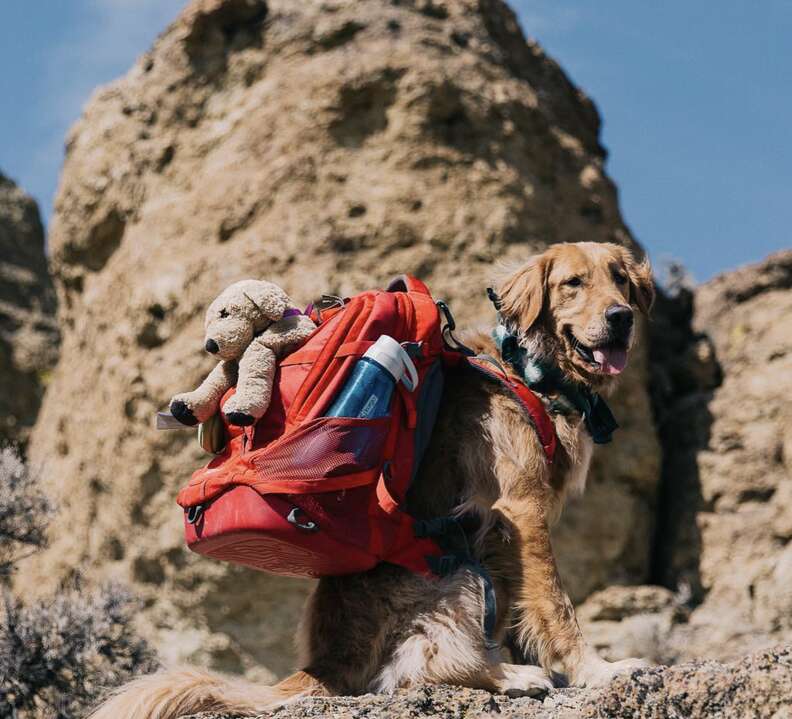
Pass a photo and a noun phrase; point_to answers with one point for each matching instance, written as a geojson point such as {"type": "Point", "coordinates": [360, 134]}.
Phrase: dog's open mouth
{"type": "Point", "coordinates": [609, 358]}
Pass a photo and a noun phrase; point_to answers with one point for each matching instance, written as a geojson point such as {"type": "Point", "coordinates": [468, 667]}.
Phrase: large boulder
{"type": "Point", "coordinates": [758, 685]}
{"type": "Point", "coordinates": [326, 146]}
{"type": "Point", "coordinates": [726, 518]}
{"type": "Point", "coordinates": [28, 332]}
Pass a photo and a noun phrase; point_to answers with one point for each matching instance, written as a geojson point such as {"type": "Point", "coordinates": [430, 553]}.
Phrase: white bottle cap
{"type": "Point", "coordinates": [387, 352]}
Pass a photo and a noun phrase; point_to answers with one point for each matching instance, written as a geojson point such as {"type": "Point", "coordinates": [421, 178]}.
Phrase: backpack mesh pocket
{"type": "Point", "coordinates": [325, 447]}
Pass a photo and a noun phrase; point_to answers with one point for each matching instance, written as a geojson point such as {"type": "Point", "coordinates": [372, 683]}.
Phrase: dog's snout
{"type": "Point", "coordinates": [211, 346]}
{"type": "Point", "coordinates": [619, 317]}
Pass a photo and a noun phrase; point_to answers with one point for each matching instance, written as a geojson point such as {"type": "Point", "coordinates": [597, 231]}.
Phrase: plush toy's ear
{"type": "Point", "coordinates": [268, 299]}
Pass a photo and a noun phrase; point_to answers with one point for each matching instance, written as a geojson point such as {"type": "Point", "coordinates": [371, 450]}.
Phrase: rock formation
{"type": "Point", "coordinates": [28, 334]}
{"type": "Point", "coordinates": [326, 146]}
{"type": "Point", "coordinates": [757, 686]}
{"type": "Point", "coordinates": [726, 519]}
{"type": "Point", "coordinates": [721, 379]}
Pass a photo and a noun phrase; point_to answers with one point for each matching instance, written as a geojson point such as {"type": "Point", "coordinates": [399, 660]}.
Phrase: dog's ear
{"type": "Point", "coordinates": [522, 295]}
{"type": "Point", "coordinates": [269, 299]}
{"type": "Point", "coordinates": [642, 290]}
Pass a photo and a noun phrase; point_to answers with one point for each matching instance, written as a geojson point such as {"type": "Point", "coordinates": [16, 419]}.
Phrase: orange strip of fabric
{"type": "Point", "coordinates": [318, 377]}
{"type": "Point", "coordinates": [308, 356]}
{"type": "Point", "coordinates": [323, 484]}
{"type": "Point", "coordinates": [529, 401]}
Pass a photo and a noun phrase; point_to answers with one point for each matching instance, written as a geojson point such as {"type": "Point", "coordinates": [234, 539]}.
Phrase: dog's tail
{"type": "Point", "coordinates": [179, 693]}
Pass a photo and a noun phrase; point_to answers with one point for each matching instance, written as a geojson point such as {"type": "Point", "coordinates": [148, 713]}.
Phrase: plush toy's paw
{"type": "Point", "coordinates": [240, 419]}
{"type": "Point", "coordinates": [183, 413]}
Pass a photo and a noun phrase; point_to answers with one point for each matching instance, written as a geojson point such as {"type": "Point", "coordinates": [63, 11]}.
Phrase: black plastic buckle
{"type": "Point", "coordinates": [447, 331]}
{"type": "Point", "coordinates": [309, 526]}
{"type": "Point", "coordinates": [450, 324]}
{"type": "Point", "coordinates": [194, 513]}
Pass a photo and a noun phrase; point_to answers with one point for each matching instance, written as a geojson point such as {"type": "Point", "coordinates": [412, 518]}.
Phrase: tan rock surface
{"type": "Point", "coordinates": [325, 146]}
{"type": "Point", "coordinates": [737, 510]}
{"type": "Point", "coordinates": [722, 378]}
{"type": "Point", "coordinates": [28, 333]}
{"type": "Point", "coordinates": [758, 686]}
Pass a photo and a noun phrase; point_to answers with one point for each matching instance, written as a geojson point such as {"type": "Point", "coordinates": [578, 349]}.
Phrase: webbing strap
{"type": "Point", "coordinates": [309, 356]}
{"type": "Point", "coordinates": [490, 367]}
{"type": "Point", "coordinates": [450, 535]}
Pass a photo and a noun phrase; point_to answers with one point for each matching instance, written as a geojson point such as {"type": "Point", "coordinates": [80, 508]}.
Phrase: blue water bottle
{"type": "Point", "coordinates": [368, 391]}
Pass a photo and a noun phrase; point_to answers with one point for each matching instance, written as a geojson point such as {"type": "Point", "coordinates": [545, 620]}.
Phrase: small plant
{"type": "Point", "coordinates": [58, 655]}
{"type": "Point", "coordinates": [24, 511]}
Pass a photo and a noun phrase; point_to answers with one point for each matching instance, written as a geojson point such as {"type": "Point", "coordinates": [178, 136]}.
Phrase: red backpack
{"type": "Point", "coordinates": [301, 494]}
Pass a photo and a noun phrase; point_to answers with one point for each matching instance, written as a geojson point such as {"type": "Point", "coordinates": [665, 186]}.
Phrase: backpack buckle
{"type": "Point", "coordinates": [307, 526]}
{"type": "Point", "coordinates": [447, 331]}
{"type": "Point", "coordinates": [450, 324]}
{"type": "Point", "coordinates": [194, 513]}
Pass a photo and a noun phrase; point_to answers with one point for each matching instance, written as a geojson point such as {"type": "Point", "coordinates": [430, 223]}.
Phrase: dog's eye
{"type": "Point", "coordinates": [620, 278]}
{"type": "Point", "coordinates": [573, 282]}
{"type": "Point", "coordinates": [223, 313]}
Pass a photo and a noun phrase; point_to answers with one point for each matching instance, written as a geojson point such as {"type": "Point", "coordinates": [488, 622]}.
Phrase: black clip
{"type": "Point", "coordinates": [194, 513]}
{"type": "Point", "coordinates": [450, 324]}
{"type": "Point", "coordinates": [448, 331]}
{"type": "Point", "coordinates": [308, 526]}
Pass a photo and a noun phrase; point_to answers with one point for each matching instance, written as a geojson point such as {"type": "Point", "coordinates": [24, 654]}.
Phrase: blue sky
{"type": "Point", "coordinates": [696, 99]}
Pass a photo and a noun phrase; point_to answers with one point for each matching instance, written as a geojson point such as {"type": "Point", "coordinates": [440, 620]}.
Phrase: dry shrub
{"type": "Point", "coordinates": [58, 655]}
{"type": "Point", "coordinates": [24, 511]}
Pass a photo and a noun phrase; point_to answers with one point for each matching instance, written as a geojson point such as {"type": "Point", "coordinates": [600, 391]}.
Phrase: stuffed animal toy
{"type": "Point", "coordinates": [249, 327]}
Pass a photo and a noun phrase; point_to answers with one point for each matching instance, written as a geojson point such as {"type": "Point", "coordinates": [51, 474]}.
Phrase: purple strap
{"type": "Point", "coordinates": [291, 312]}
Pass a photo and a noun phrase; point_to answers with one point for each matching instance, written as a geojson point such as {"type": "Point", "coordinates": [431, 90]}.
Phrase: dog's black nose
{"type": "Point", "coordinates": [211, 346]}
{"type": "Point", "coordinates": [620, 317]}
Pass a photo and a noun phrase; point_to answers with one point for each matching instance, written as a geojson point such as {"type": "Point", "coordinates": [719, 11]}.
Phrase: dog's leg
{"type": "Point", "coordinates": [445, 645]}
{"type": "Point", "coordinates": [546, 624]}
{"type": "Point", "coordinates": [190, 408]}
{"type": "Point", "coordinates": [254, 386]}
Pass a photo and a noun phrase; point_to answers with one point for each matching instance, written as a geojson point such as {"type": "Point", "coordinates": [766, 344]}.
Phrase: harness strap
{"type": "Point", "coordinates": [531, 404]}
{"type": "Point", "coordinates": [450, 535]}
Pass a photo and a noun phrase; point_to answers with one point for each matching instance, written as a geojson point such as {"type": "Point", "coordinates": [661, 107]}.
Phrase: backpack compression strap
{"type": "Point", "coordinates": [530, 403]}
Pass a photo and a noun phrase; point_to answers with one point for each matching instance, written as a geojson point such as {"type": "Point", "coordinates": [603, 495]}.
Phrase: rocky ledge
{"type": "Point", "coordinates": [757, 686]}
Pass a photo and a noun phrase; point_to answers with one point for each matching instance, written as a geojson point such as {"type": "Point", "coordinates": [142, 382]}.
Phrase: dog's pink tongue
{"type": "Point", "coordinates": [612, 360]}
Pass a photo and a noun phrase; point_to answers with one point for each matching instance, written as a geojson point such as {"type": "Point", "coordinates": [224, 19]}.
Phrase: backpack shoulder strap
{"type": "Point", "coordinates": [530, 403]}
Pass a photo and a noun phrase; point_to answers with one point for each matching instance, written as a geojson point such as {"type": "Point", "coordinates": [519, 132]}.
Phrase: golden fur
{"type": "Point", "coordinates": [388, 628]}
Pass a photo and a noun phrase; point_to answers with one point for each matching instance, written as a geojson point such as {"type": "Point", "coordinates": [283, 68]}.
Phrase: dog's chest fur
{"type": "Point", "coordinates": [484, 451]}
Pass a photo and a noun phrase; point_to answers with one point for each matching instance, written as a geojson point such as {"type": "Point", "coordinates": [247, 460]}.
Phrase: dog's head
{"type": "Point", "coordinates": [238, 313]}
{"type": "Point", "coordinates": [574, 305]}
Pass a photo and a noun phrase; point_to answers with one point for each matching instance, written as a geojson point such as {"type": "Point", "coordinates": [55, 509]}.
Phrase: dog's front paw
{"type": "Point", "coordinates": [523, 681]}
{"type": "Point", "coordinates": [239, 419]}
{"type": "Point", "coordinates": [596, 672]}
{"type": "Point", "coordinates": [180, 410]}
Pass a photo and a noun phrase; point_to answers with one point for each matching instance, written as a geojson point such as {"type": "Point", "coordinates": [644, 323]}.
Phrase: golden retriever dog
{"type": "Point", "coordinates": [571, 310]}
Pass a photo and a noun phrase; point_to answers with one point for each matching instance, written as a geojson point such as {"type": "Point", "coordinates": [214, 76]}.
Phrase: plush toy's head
{"type": "Point", "coordinates": [242, 310]}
